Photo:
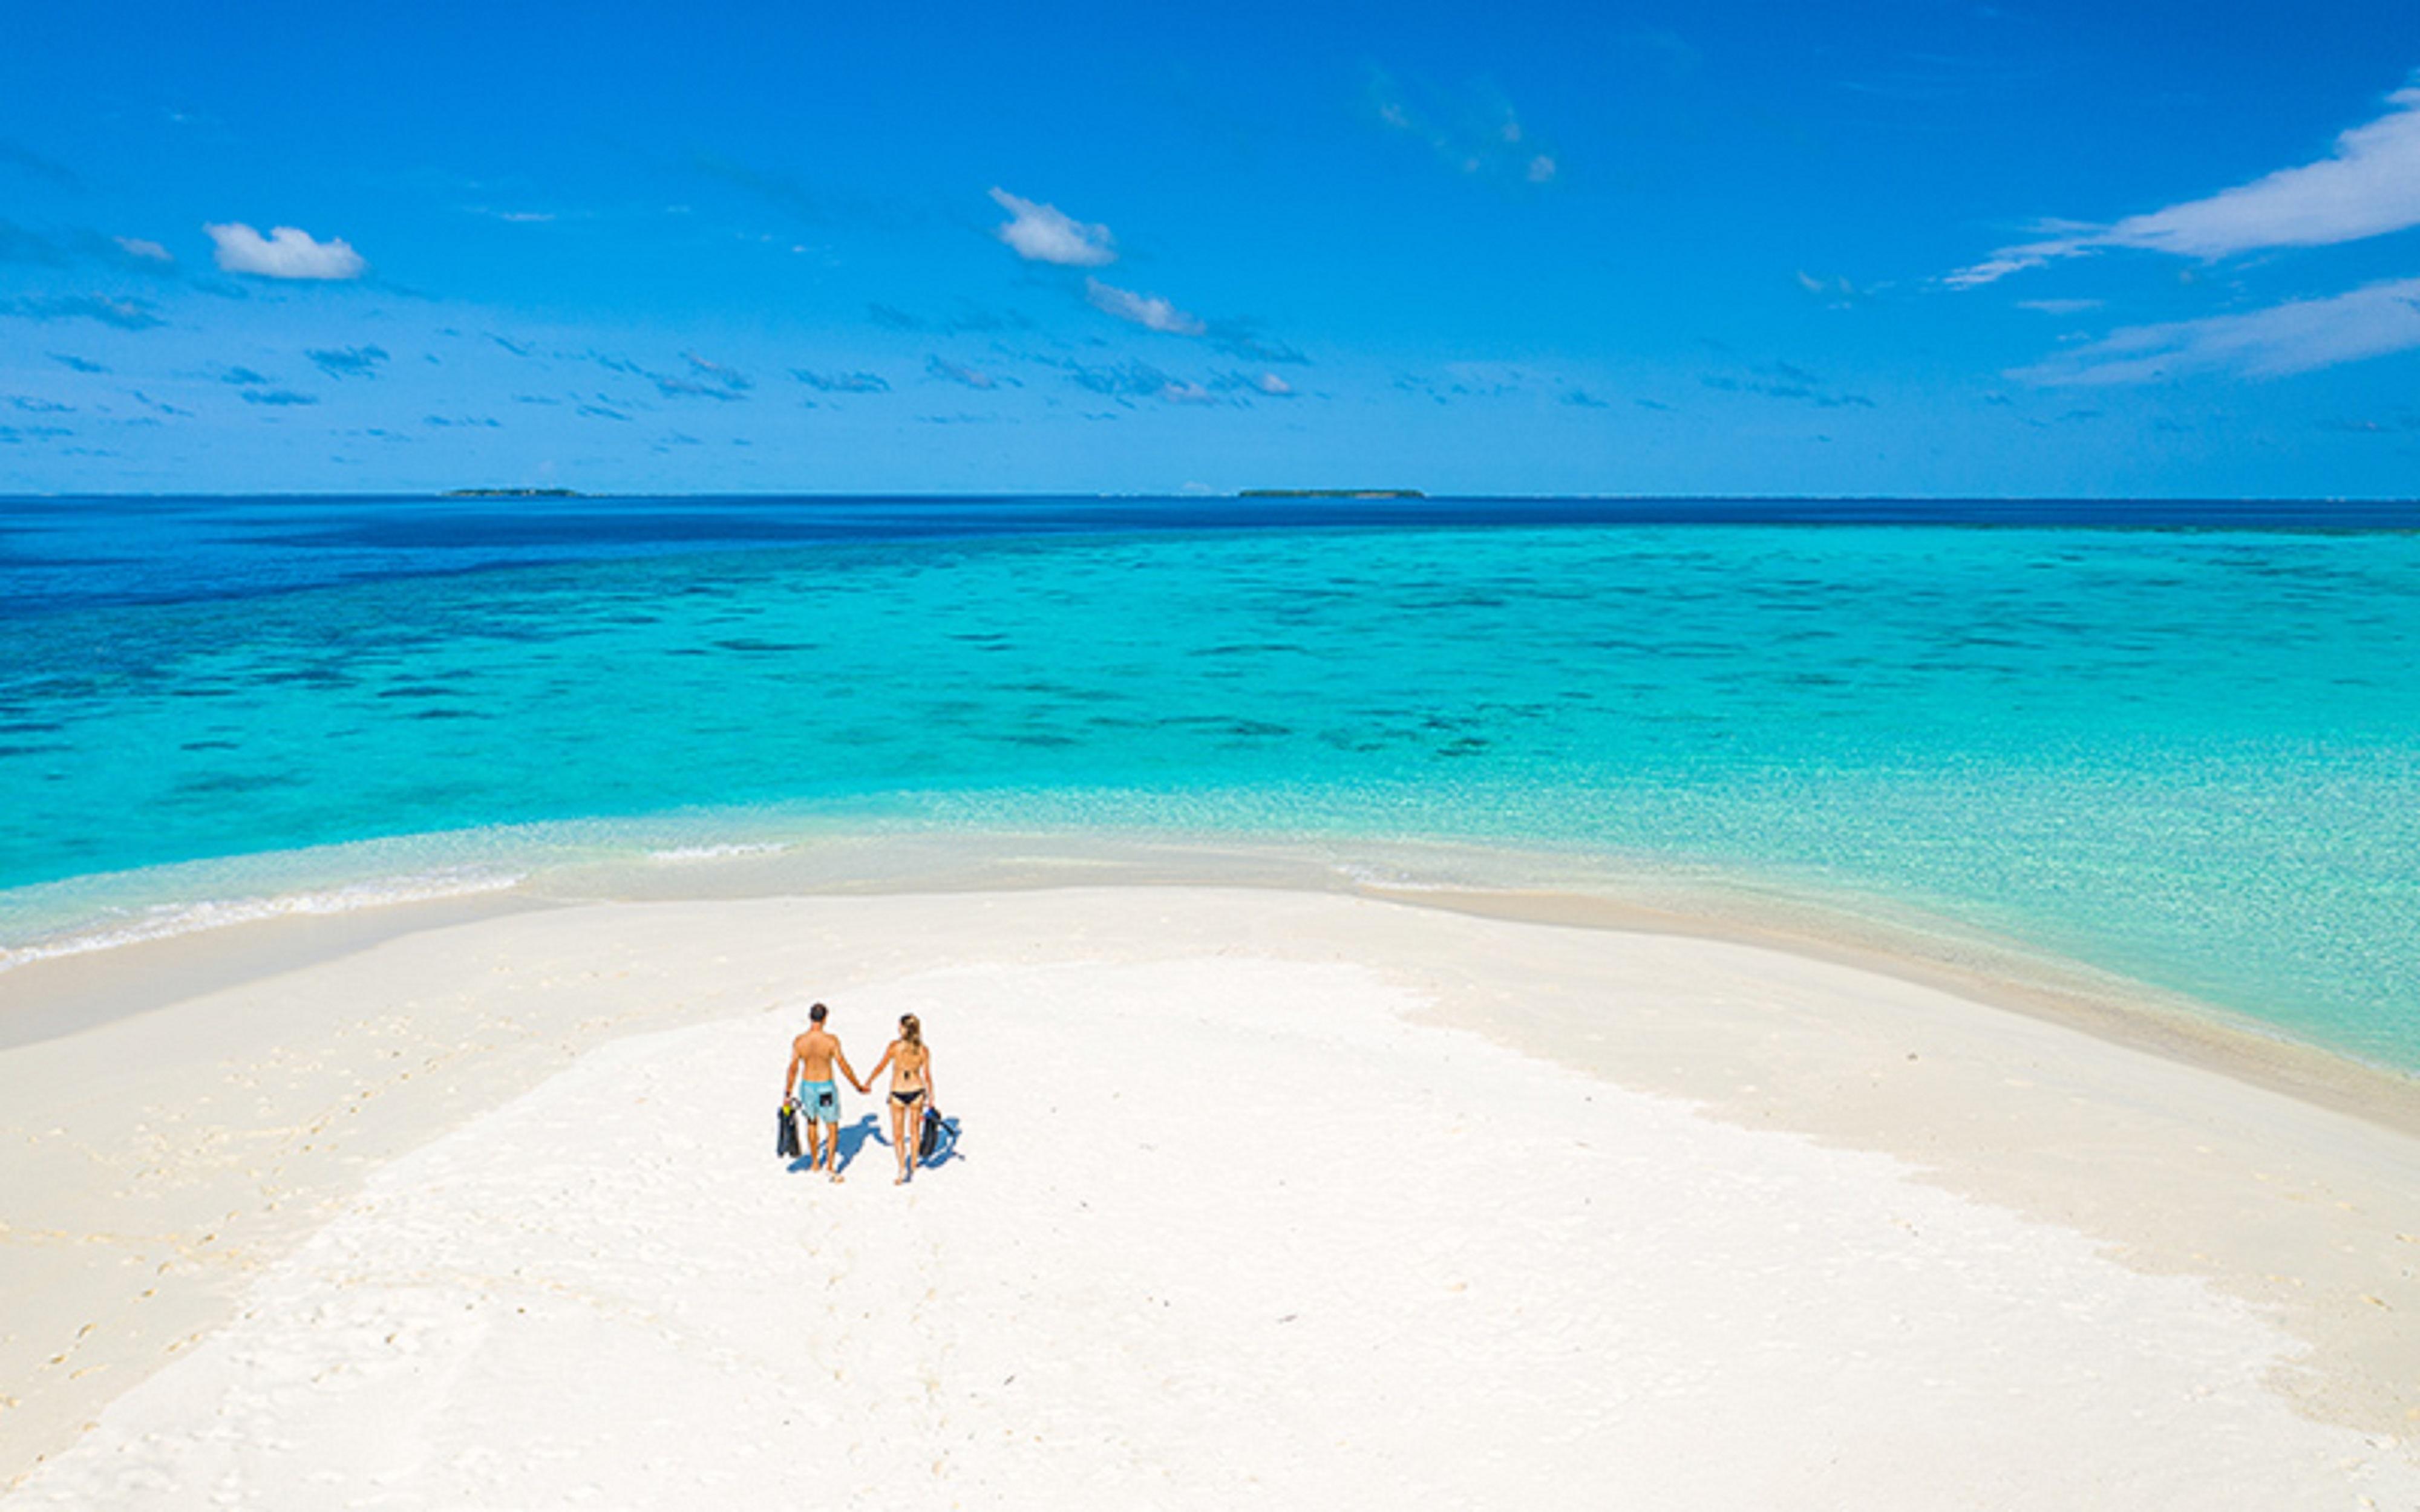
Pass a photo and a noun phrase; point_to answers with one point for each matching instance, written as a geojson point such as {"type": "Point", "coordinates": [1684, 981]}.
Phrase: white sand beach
{"type": "Point", "coordinates": [1263, 1198]}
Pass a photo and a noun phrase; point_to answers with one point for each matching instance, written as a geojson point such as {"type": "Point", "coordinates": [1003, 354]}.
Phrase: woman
{"type": "Point", "coordinates": [912, 1091]}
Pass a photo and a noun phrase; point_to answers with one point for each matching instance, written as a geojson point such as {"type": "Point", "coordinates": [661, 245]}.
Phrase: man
{"type": "Point", "coordinates": [813, 1055]}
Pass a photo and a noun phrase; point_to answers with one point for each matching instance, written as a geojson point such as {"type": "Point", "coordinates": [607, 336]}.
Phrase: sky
{"type": "Point", "coordinates": [1923, 248]}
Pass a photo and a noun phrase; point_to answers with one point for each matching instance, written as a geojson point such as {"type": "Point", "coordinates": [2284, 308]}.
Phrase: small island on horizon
{"type": "Point", "coordinates": [512, 493]}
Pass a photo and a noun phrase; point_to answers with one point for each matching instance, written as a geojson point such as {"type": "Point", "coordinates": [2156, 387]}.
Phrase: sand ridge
{"type": "Point", "coordinates": [1261, 1043]}
{"type": "Point", "coordinates": [1226, 1231]}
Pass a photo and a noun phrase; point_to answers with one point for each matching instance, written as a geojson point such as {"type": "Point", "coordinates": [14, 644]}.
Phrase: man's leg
{"type": "Point", "coordinates": [832, 1131]}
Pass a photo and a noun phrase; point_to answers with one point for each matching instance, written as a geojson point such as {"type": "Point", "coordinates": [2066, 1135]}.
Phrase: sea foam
{"type": "Point", "coordinates": [164, 921]}
{"type": "Point", "coordinates": [681, 854]}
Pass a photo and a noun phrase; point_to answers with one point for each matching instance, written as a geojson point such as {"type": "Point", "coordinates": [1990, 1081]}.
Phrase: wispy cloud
{"type": "Point", "coordinates": [1476, 131]}
{"type": "Point", "coordinates": [1832, 293]}
{"type": "Point", "coordinates": [20, 244]}
{"type": "Point", "coordinates": [2293, 337]}
{"type": "Point", "coordinates": [287, 252]}
{"type": "Point", "coordinates": [1468, 380]}
{"type": "Point", "coordinates": [32, 163]}
{"type": "Point", "coordinates": [965, 317]}
{"type": "Point", "coordinates": [2367, 187]}
{"type": "Point", "coordinates": [842, 383]}
{"type": "Point", "coordinates": [941, 367]}
{"type": "Point", "coordinates": [1046, 234]}
{"type": "Point", "coordinates": [77, 364]}
{"type": "Point", "coordinates": [675, 386]}
{"type": "Point", "coordinates": [1149, 311]}
{"type": "Point", "coordinates": [726, 378]}
{"type": "Point", "coordinates": [1672, 53]}
{"type": "Point", "coordinates": [349, 361]}
{"type": "Point", "coordinates": [126, 315]}
{"type": "Point", "coordinates": [2059, 306]}
{"type": "Point", "coordinates": [779, 189]}
{"type": "Point", "coordinates": [1126, 382]}
{"type": "Point", "coordinates": [700, 378]}
{"type": "Point", "coordinates": [278, 398]}
{"type": "Point", "coordinates": [1244, 339]}
{"type": "Point", "coordinates": [23, 244]}
{"type": "Point", "coordinates": [1119, 381]}
{"type": "Point", "coordinates": [1787, 380]}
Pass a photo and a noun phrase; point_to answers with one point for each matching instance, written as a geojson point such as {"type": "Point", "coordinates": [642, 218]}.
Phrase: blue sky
{"type": "Point", "coordinates": [1916, 248]}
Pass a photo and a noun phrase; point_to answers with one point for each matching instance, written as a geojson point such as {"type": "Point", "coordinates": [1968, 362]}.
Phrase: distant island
{"type": "Point", "coordinates": [1331, 493]}
{"type": "Point", "coordinates": [512, 493]}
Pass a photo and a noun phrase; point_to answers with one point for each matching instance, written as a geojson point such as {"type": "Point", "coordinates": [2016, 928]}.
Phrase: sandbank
{"type": "Point", "coordinates": [1268, 1194]}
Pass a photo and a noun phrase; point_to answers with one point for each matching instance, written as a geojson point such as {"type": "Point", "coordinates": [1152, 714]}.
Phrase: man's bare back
{"type": "Point", "coordinates": [811, 1055]}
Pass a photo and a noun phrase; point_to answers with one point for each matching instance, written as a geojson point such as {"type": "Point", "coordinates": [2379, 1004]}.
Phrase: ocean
{"type": "Point", "coordinates": [2178, 742]}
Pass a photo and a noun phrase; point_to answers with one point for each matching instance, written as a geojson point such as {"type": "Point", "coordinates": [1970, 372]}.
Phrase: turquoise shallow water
{"type": "Point", "coordinates": [2191, 756]}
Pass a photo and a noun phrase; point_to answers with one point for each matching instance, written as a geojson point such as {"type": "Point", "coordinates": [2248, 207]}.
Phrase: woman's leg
{"type": "Point", "coordinates": [913, 1149]}
{"type": "Point", "coordinates": [898, 1136]}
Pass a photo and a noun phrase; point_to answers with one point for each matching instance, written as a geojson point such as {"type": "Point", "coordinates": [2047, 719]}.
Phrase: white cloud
{"type": "Point", "coordinates": [949, 372]}
{"type": "Point", "coordinates": [2059, 306]}
{"type": "Point", "coordinates": [1148, 311]}
{"type": "Point", "coordinates": [2293, 337]}
{"type": "Point", "coordinates": [1276, 387]}
{"type": "Point", "coordinates": [1475, 132]}
{"type": "Point", "coordinates": [147, 250]}
{"type": "Point", "coordinates": [1832, 293]}
{"type": "Point", "coordinates": [1046, 234]}
{"type": "Point", "coordinates": [285, 252]}
{"type": "Point", "coordinates": [2369, 186]}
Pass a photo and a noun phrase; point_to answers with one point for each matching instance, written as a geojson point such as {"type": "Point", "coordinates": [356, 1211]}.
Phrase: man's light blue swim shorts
{"type": "Point", "coordinates": [820, 1102]}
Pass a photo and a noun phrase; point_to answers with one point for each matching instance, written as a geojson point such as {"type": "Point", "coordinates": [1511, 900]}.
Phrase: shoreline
{"type": "Point", "coordinates": [264, 1102]}
{"type": "Point", "coordinates": [91, 983]}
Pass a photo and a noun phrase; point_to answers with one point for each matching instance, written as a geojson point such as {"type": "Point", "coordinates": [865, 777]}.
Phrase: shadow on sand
{"type": "Point", "coordinates": [847, 1139]}
{"type": "Point", "coordinates": [852, 1138]}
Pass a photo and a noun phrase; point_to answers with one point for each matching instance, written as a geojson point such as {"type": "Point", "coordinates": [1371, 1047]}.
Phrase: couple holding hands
{"type": "Point", "coordinates": [813, 1057]}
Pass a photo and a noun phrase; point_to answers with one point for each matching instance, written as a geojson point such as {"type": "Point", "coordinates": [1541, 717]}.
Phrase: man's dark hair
{"type": "Point", "coordinates": [816, 1014]}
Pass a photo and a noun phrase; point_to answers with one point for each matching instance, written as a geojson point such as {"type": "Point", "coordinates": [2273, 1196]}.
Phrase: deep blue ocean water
{"type": "Point", "coordinates": [2180, 742]}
